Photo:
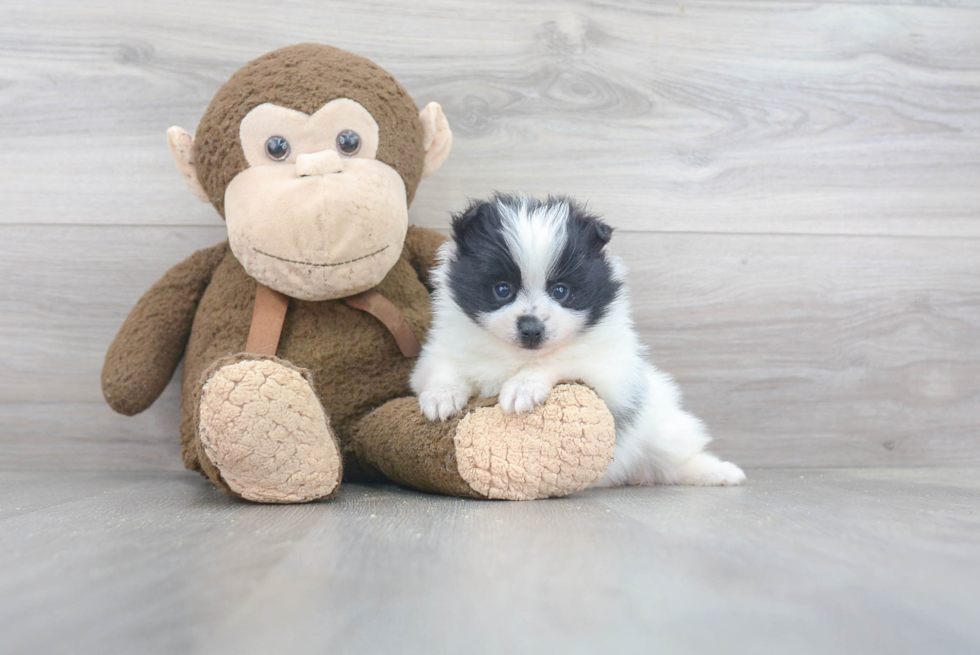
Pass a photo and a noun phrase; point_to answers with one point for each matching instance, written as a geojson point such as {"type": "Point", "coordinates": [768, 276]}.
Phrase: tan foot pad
{"type": "Point", "coordinates": [561, 447]}
{"type": "Point", "coordinates": [263, 427]}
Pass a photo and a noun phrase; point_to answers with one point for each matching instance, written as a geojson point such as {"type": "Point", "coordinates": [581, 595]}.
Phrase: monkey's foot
{"type": "Point", "coordinates": [263, 428]}
{"type": "Point", "coordinates": [559, 448]}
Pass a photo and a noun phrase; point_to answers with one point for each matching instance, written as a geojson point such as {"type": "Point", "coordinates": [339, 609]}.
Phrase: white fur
{"type": "Point", "coordinates": [662, 444]}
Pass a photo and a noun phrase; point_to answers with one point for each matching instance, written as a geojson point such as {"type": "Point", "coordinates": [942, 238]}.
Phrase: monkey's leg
{"type": "Point", "coordinates": [561, 447]}
{"type": "Point", "coordinates": [262, 433]}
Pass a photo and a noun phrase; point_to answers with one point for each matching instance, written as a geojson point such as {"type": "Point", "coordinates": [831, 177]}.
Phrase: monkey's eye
{"type": "Point", "coordinates": [559, 292]}
{"type": "Point", "coordinates": [349, 142]}
{"type": "Point", "coordinates": [502, 291]}
{"type": "Point", "coordinates": [277, 148]}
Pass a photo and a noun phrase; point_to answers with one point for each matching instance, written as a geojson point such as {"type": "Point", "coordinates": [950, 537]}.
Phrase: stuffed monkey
{"type": "Point", "coordinates": [298, 333]}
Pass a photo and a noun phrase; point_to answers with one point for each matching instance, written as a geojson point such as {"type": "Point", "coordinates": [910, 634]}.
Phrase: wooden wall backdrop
{"type": "Point", "coordinates": [796, 187]}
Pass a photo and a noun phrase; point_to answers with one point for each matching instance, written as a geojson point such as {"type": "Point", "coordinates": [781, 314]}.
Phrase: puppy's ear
{"type": "Point", "coordinates": [600, 232]}
{"type": "Point", "coordinates": [594, 231]}
{"type": "Point", "coordinates": [475, 218]}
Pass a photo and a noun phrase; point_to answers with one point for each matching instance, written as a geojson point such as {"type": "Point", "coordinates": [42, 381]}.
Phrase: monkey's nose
{"type": "Point", "coordinates": [319, 163]}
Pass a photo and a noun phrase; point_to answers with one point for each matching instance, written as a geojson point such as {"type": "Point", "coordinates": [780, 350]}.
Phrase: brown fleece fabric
{"type": "Point", "coordinates": [561, 447]}
{"type": "Point", "coordinates": [411, 450]}
{"type": "Point", "coordinates": [354, 361]}
{"type": "Point", "coordinates": [421, 249]}
{"type": "Point", "coordinates": [305, 77]}
{"type": "Point", "coordinates": [145, 353]}
{"type": "Point", "coordinates": [202, 308]}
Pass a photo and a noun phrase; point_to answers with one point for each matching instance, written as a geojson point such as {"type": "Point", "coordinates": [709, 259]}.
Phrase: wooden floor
{"type": "Point", "coordinates": [796, 561]}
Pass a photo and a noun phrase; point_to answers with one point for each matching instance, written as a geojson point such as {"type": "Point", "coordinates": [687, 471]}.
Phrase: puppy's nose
{"type": "Point", "coordinates": [531, 331]}
{"type": "Point", "coordinates": [319, 163]}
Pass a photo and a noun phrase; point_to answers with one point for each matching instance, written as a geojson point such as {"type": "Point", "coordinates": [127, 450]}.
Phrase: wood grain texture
{"type": "Point", "coordinates": [795, 184]}
{"type": "Point", "coordinates": [796, 350]}
{"type": "Point", "coordinates": [788, 117]}
{"type": "Point", "coordinates": [829, 351]}
{"type": "Point", "coordinates": [802, 561]}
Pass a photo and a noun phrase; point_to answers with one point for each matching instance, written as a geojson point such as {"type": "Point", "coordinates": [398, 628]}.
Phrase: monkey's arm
{"type": "Point", "coordinates": [145, 353]}
{"type": "Point", "coordinates": [421, 246]}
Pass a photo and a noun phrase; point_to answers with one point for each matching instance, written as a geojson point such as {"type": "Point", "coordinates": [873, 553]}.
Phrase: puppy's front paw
{"type": "Point", "coordinates": [521, 395]}
{"type": "Point", "coordinates": [443, 402]}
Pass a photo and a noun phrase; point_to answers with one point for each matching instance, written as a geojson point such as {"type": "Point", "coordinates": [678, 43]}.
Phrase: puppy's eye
{"type": "Point", "coordinates": [277, 148]}
{"type": "Point", "coordinates": [559, 292]}
{"type": "Point", "coordinates": [349, 142]}
{"type": "Point", "coordinates": [502, 291]}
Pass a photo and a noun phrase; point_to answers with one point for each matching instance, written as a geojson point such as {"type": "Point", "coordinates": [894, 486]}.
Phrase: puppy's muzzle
{"type": "Point", "coordinates": [531, 331]}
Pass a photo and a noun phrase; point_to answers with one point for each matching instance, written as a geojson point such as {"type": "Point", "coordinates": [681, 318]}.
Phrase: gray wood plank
{"type": "Point", "coordinates": [69, 436]}
{"type": "Point", "coordinates": [738, 117]}
{"type": "Point", "coordinates": [797, 350]}
{"type": "Point", "coordinates": [822, 351]}
{"type": "Point", "coordinates": [802, 561]}
{"type": "Point", "coordinates": [23, 492]}
{"type": "Point", "coordinates": [65, 291]}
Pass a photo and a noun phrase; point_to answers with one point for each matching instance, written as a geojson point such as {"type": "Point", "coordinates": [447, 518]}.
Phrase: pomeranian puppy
{"type": "Point", "coordinates": [527, 296]}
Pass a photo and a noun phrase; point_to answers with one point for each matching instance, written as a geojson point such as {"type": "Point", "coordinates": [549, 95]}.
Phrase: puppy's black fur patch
{"type": "Point", "coordinates": [582, 265]}
{"type": "Point", "coordinates": [482, 259]}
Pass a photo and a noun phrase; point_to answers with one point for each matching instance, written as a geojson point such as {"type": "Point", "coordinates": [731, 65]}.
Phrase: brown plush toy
{"type": "Point", "coordinates": [298, 334]}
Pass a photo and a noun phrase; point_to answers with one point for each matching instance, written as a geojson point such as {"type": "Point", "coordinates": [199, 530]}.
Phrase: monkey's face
{"type": "Point", "coordinates": [315, 215]}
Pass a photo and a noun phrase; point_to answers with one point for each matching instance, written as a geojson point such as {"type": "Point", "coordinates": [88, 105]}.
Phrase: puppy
{"type": "Point", "coordinates": [526, 296]}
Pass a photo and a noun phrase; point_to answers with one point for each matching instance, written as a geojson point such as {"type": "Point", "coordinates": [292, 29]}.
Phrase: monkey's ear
{"type": "Point", "coordinates": [437, 138]}
{"type": "Point", "coordinates": [182, 148]}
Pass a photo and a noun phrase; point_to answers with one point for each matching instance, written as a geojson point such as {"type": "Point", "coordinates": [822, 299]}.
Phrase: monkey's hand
{"type": "Point", "coordinates": [422, 246]}
{"type": "Point", "coordinates": [150, 343]}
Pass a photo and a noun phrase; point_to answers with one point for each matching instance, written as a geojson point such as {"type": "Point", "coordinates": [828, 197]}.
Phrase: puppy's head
{"type": "Point", "coordinates": [534, 274]}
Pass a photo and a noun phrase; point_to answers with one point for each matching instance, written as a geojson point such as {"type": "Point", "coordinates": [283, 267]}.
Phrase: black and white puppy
{"type": "Point", "coordinates": [526, 296]}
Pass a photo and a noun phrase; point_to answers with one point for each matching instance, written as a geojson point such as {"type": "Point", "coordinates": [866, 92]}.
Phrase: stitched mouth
{"type": "Point", "coordinates": [297, 261]}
